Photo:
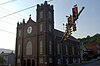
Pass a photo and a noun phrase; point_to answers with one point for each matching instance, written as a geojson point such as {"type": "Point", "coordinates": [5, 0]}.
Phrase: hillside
{"type": "Point", "coordinates": [88, 39]}
{"type": "Point", "coordinates": [6, 50]}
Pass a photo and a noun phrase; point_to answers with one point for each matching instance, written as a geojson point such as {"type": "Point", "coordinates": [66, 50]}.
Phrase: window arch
{"type": "Point", "coordinates": [41, 27]}
{"type": "Point", "coordinates": [41, 14]}
{"type": "Point", "coordinates": [41, 47]}
{"type": "Point", "coordinates": [58, 48]}
{"type": "Point", "coordinates": [66, 49]}
{"type": "Point", "coordinates": [29, 48]}
{"type": "Point", "coordinates": [19, 33]}
{"type": "Point", "coordinates": [50, 28]}
{"type": "Point", "coordinates": [50, 47]}
{"type": "Point", "coordinates": [50, 15]}
{"type": "Point", "coordinates": [19, 50]}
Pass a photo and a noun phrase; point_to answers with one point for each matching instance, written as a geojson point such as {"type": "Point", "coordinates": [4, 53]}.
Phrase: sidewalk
{"type": "Point", "coordinates": [85, 62]}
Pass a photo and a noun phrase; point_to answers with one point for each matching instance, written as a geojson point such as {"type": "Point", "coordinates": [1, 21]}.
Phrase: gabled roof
{"type": "Point", "coordinates": [73, 38]}
{"type": "Point", "coordinates": [60, 34]}
{"type": "Point", "coordinates": [30, 20]}
{"type": "Point", "coordinates": [6, 54]}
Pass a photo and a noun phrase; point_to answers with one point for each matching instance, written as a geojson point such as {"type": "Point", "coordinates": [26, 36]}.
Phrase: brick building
{"type": "Point", "coordinates": [94, 47]}
{"type": "Point", "coordinates": [39, 44]}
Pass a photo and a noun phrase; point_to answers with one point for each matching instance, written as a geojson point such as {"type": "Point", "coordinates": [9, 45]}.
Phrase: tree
{"type": "Point", "coordinates": [88, 39]}
{"type": "Point", "coordinates": [1, 59]}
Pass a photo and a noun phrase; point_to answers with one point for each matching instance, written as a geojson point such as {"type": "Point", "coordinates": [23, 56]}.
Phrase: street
{"type": "Point", "coordinates": [95, 63]}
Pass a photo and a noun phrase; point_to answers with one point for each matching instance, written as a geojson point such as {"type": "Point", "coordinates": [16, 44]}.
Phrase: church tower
{"type": "Point", "coordinates": [45, 32]}
{"type": "Point", "coordinates": [34, 40]}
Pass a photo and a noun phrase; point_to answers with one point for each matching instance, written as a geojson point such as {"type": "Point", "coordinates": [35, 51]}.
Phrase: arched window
{"type": "Point", "coordinates": [66, 50]}
{"type": "Point", "coordinates": [58, 48]}
{"type": "Point", "coordinates": [19, 33]}
{"type": "Point", "coordinates": [29, 48]}
{"type": "Point", "coordinates": [73, 50]}
{"type": "Point", "coordinates": [41, 47]}
{"type": "Point", "coordinates": [50, 15]}
{"type": "Point", "coordinates": [50, 27]}
{"type": "Point", "coordinates": [41, 60]}
{"type": "Point", "coordinates": [41, 14]}
{"type": "Point", "coordinates": [41, 27]}
{"type": "Point", "coordinates": [50, 60]}
{"type": "Point", "coordinates": [19, 50]}
{"type": "Point", "coordinates": [50, 47]}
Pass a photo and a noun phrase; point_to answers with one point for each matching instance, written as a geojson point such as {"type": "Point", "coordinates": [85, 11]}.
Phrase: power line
{"type": "Point", "coordinates": [7, 2]}
{"type": "Point", "coordinates": [21, 10]}
{"type": "Point", "coordinates": [6, 31]}
{"type": "Point", "coordinates": [12, 11]}
{"type": "Point", "coordinates": [12, 14]}
{"type": "Point", "coordinates": [7, 23]}
{"type": "Point", "coordinates": [49, 0]}
{"type": "Point", "coordinates": [17, 11]}
{"type": "Point", "coordinates": [12, 18]}
{"type": "Point", "coordinates": [7, 13]}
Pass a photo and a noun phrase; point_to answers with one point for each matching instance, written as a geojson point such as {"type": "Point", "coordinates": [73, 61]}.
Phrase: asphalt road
{"type": "Point", "coordinates": [95, 63]}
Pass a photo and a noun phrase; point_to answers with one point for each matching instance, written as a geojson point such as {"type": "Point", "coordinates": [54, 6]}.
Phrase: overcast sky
{"type": "Point", "coordinates": [87, 24]}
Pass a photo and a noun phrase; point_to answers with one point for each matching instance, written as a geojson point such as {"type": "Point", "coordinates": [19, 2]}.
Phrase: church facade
{"type": "Point", "coordinates": [39, 44]}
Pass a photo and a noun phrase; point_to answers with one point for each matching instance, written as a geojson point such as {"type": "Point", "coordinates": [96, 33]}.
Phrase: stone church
{"type": "Point", "coordinates": [39, 44]}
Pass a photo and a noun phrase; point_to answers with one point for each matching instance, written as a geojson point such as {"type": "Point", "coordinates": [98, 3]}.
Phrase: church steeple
{"type": "Point", "coordinates": [45, 12]}
{"type": "Point", "coordinates": [30, 16]}
{"type": "Point", "coordinates": [45, 3]}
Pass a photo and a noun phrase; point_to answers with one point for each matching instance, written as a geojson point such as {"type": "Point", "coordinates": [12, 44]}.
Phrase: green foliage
{"type": "Point", "coordinates": [88, 39]}
{"type": "Point", "coordinates": [1, 60]}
